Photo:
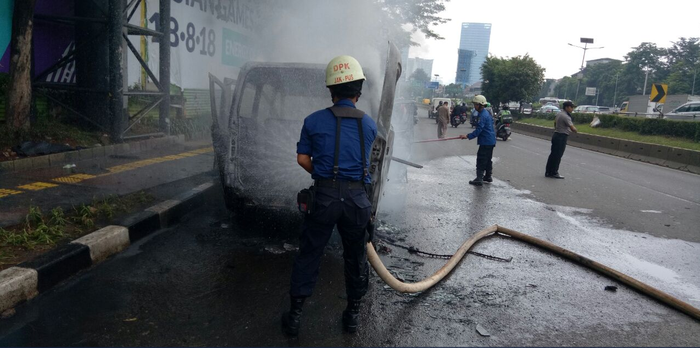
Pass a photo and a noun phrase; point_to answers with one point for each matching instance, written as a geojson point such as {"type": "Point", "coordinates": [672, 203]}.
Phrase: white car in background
{"type": "Point", "coordinates": [686, 112]}
{"type": "Point", "coordinates": [548, 109]}
{"type": "Point", "coordinates": [587, 109]}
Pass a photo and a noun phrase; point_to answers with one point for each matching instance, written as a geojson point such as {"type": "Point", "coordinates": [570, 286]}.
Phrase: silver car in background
{"type": "Point", "coordinates": [686, 112]}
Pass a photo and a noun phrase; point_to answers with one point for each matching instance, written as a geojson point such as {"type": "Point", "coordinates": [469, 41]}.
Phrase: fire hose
{"type": "Point", "coordinates": [433, 140]}
{"type": "Point", "coordinates": [430, 281]}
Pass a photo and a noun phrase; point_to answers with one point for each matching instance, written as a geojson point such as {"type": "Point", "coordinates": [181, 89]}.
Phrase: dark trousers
{"type": "Point", "coordinates": [558, 147]}
{"type": "Point", "coordinates": [483, 160]}
{"type": "Point", "coordinates": [350, 210]}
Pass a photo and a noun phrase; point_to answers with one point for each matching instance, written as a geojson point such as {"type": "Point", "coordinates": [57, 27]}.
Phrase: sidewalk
{"type": "Point", "coordinates": [117, 174]}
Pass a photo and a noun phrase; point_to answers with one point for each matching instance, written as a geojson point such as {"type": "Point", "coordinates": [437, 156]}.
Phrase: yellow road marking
{"type": "Point", "coordinates": [73, 179]}
{"type": "Point", "coordinates": [76, 178]}
{"type": "Point", "coordinates": [36, 186]}
{"type": "Point", "coordinates": [7, 192]}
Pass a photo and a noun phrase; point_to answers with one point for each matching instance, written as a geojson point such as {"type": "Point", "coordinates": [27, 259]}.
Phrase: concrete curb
{"type": "Point", "coordinates": [28, 279]}
{"type": "Point", "coordinates": [667, 156]}
{"type": "Point", "coordinates": [62, 158]}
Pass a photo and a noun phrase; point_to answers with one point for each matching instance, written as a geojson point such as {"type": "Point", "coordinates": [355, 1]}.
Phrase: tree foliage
{"type": "Point", "coordinates": [675, 66]}
{"type": "Point", "coordinates": [454, 90]}
{"type": "Point", "coordinates": [421, 15]}
{"type": "Point", "coordinates": [420, 75]}
{"type": "Point", "coordinates": [511, 79]}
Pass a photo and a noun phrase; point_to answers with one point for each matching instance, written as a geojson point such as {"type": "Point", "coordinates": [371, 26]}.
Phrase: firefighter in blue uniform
{"type": "Point", "coordinates": [334, 147]}
{"type": "Point", "coordinates": [486, 139]}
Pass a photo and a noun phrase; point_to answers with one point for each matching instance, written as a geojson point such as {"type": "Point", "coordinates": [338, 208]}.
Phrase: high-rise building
{"type": "Point", "coordinates": [472, 53]}
{"type": "Point", "coordinates": [419, 63]}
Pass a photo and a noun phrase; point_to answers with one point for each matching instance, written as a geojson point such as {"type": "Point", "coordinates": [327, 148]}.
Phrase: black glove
{"type": "Point", "coordinates": [370, 231]}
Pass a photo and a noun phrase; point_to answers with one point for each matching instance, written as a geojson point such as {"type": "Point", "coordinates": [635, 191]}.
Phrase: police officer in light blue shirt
{"type": "Point", "coordinates": [334, 147]}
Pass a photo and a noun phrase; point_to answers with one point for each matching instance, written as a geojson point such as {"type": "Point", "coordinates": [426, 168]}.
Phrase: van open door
{"type": "Point", "coordinates": [383, 145]}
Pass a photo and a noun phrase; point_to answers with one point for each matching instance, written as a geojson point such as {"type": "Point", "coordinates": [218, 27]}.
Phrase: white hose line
{"type": "Point", "coordinates": [428, 282]}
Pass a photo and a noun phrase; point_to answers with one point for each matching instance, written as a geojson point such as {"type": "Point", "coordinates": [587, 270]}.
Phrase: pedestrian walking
{"type": "Point", "coordinates": [563, 126]}
{"type": "Point", "coordinates": [443, 119]}
{"type": "Point", "coordinates": [486, 139]}
{"type": "Point", "coordinates": [334, 147]}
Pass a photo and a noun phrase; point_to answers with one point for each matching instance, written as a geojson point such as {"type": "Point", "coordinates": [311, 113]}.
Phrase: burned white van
{"type": "Point", "coordinates": [255, 129]}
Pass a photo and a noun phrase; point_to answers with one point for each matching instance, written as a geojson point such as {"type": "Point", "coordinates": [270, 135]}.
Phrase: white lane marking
{"type": "Point", "coordinates": [651, 211]}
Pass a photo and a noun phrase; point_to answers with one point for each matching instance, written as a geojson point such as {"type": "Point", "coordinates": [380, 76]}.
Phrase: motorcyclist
{"type": "Point", "coordinates": [463, 112]}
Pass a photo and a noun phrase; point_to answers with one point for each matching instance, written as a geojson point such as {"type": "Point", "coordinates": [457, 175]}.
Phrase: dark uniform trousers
{"type": "Point", "coordinates": [350, 210]}
{"type": "Point", "coordinates": [558, 147]}
{"type": "Point", "coordinates": [484, 161]}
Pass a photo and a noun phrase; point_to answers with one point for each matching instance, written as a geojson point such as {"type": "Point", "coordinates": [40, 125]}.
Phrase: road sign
{"type": "Point", "coordinates": [586, 40]}
{"type": "Point", "coordinates": [590, 91]}
{"type": "Point", "coordinates": [433, 85]}
{"type": "Point", "coordinates": [658, 93]}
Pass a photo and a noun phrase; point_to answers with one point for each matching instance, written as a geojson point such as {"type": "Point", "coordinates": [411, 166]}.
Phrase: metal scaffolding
{"type": "Point", "coordinates": [115, 31]}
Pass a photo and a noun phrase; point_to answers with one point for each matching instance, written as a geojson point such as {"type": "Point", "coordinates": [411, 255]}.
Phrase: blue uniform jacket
{"type": "Point", "coordinates": [484, 131]}
{"type": "Point", "coordinates": [318, 141]}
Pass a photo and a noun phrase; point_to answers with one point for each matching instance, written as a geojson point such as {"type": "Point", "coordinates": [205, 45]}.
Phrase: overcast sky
{"type": "Point", "coordinates": [543, 29]}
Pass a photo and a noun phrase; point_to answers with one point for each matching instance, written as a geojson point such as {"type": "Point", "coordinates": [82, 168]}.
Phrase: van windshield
{"type": "Point", "coordinates": [283, 93]}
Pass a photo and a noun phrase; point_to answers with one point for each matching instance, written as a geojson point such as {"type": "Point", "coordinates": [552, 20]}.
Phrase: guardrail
{"type": "Point", "coordinates": [667, 156]}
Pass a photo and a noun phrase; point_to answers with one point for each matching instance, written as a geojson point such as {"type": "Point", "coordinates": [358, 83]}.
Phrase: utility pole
{"type": "Point", "coordinates": [694, 74]}
{"type": "Point", "coordinates": [646, 77]}
{"type": "Point", "coordinates": [164, 75]}
{"type": "Point", "coordinates": [116, 82]}
{"type": "Point", "coordinates": [585, 41]}
{"type": "Point", "coordinates": [615, 94]}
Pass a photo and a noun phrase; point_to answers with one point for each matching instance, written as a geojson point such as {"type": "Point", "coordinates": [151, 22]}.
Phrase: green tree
{"type": "Point", "coordinates": [546, 86]}
{"type": "Point", "coordinates": [602, 77]}
{"type": "Point", "coordinates": [511, 79]}
{"type": "Point", "coordinates": [645, 57]}
{"type": "Point", "coordinates": [420, 75]}
{"type": "Point", "coordinates": [454, 90]}
{"type": "Point", "coordinates": [421, 15]}
{"type": "Point", "coordinates": [684, 64]}
{"type": "Point", "coordinates": [566, 88]}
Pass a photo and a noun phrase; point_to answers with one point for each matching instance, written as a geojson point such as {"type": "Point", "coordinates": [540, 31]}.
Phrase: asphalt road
{"type": "Point", "coordinates": [217, 279]}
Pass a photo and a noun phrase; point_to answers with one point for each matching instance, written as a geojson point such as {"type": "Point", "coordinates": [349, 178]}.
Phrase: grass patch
{"type": "Point", "coordinates": [42, 231]}
{"type": "Point", "coordinates": [619, 134]}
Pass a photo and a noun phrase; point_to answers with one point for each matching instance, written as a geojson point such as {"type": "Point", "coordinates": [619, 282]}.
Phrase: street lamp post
{"type": "Point", "coordinates": [585, 41]}
{"type": "Point", "coordinates": [694, 74]}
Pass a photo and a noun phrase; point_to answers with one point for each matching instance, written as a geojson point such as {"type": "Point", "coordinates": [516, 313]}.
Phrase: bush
{"type": "Point", "coordinates": [646, 126]}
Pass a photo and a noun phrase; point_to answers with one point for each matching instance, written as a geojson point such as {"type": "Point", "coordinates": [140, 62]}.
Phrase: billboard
{"type": "Point", "coordinates": [432, 85]}
{"type": "Point", "coordinates": [590, 91]}
{"type": "Point", "coordinates": [54, 41]}
{"type": "Point", "coordinates": [51, 41]}
{"type": "Point", "coordinates": [5, 31]}
{"type": "Point", "coordinates": [213, 36]}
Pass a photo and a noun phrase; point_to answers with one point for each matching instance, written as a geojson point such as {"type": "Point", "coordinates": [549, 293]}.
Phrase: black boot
{"type": "Point", "coordinates": [488, 178]}
{"type": "Point", "coordinates": [479, 180]}
{"type": "Point", "coordinates": [351, 315]}
{"type": "Point", "coordinates": [292, 320]}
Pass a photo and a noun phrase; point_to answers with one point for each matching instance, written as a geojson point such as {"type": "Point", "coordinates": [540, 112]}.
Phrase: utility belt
{"type": "Point", "coordinates": [350, 185]}
{"type": "Point", "coordinates": [306, 198]}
